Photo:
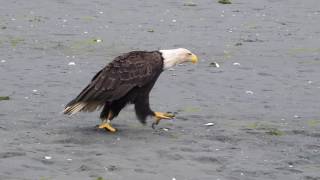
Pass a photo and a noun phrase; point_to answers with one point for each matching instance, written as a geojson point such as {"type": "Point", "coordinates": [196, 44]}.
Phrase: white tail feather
{"type": "Point", "coordinates": [74, 108]}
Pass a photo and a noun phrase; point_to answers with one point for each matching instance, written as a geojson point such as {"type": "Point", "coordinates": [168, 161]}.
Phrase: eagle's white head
{"type": "Point", "coordinates": [173, 57]}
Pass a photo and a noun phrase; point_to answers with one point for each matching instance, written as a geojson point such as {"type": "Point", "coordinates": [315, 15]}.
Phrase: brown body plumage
{"type": "Point", "coordinates": [125, 79]}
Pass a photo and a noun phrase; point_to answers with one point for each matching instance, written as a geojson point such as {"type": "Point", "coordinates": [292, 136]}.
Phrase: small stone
{"type": "Point", "coordinates": [150, 30]}
{"type": "Point", "coordinates": [236, 64]}
{"type": "Point", "coordinates": [97, 40]}
{"type": "Point", "coordinates": [296, 116]}
{"type": "Point", "coordinates": [3, 61]}
{"type": "Point", "coordinates": [47, 157]}
{"type": "Point", "coordinates": [209, 124]}
{"type": "Point", "coordinates": [249, 92]}
{"type": "Point", "coordinates": [72, 63]}
{"type": "Point", "coordinates": [173, 20]}
{"type": "Point", "coordinates": [215, 64]}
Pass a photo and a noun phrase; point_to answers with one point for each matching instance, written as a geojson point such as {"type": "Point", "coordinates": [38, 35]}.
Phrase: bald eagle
{"type": "Point", "coordinates": [128, 79]}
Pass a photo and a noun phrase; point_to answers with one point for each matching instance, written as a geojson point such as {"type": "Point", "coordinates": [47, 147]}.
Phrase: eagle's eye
{"type": "Point", "coordinates": [189, 54]}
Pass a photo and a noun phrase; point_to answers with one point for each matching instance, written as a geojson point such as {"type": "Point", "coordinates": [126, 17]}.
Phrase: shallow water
{"type": "Point", "coordinates": [263, 100]}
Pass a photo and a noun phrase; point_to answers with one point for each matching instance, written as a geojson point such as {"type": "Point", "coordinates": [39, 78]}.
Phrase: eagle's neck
{"type": "Point", "coordinates": [169, 58]}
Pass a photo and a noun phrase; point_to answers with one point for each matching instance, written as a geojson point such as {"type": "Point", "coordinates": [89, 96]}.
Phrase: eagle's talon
{"type": "Point", "coordinates": [159, 115]}
{"type": "Point", "coordinates": [107, 126]}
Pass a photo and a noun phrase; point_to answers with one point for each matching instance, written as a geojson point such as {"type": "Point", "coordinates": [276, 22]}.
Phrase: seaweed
{"type": "Point", "coordinates": [275, 132]}
{"type": "Point", "coordinates": [189, 4]}
{"type": "Point", "coordinates": [224, 2]}
{"type": "Point", "coordinates": [4, 98]}
{"type": "Point", "coordinates": [15, 41]}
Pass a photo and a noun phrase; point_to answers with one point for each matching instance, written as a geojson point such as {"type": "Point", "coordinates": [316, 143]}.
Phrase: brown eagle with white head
{"type": "Point", "coordinates": [128, 79]}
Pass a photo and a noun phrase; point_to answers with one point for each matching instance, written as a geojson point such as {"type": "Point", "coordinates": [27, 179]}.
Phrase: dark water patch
{"type": "Point", "coordinates": [289, 170]}
{"type": "Point", "coordinates": [221, 138]}
{"type": "Point", "coordinates": [84, 168]}
{"type": "Point", "coordinates": [74, 140]}
{"type": "Point", "coordinates": [252, 40]}
{"type": "Point", "coordinates": [264, 74]}
{"type": "Point", "coordinates": [169, 155]}
{"type": "Point", "coordinates": [304, 133]}
{"type": "Point", "coordinates": [34, 168]}
{"type": "Point", "coordinates": [5, 155]}
{"type": "Point", "coordinates": [311, 177]}
{"type": "Point", "coordinates": [112, 168]}
{"type": "Point", "coordinates": [246, 174]}
{"type": "Point", "coordinates": [140, 170]}
{"type": "Point", "coordinates": [258, 128]}
{"type": "Point", "coordinates": [64, 34]}
{"type": "Point", "coordinates": [208, 159]}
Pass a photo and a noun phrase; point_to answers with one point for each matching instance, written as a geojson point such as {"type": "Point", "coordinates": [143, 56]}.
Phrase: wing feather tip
{"type": "Point", "coordinates": [70, 110]}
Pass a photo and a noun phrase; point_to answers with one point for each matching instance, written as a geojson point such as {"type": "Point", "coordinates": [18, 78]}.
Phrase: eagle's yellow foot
{"type": "Point", "coordinates": [107, 126]}
{"type": "Point", "coordinates": [160, 115]}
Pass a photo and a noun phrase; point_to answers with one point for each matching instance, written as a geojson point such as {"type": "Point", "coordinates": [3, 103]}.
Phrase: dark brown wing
{"type": "Point", "coordinates": [114, 81]}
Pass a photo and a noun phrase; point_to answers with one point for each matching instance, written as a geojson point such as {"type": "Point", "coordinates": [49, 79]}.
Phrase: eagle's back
{"type": "Point", "coordinates": [115, 80]}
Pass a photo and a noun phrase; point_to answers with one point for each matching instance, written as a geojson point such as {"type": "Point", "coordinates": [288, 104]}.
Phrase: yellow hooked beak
{"type": "Point", "coordinates": [194, 59]}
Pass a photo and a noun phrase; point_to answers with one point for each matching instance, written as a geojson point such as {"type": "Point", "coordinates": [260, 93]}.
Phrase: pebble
{"type": "Point", "coordinates": [98, 40]}
{"type": "Point", "coordinates": [165, 129]}
{"type": "Point", "coordinates": [236, 64]}
{"type": "Point", "coordinates": [209, 124]}
{"type": "Point", "coordinates": [249, 92]}
{"type": "Point", "coordinates": [47, 157]}
{"type": "Point", "coordinates": [215, 64]}
{"type": "Point", "coordinates": [3, 61]}
{"type": "Point", "coordinates": [72, 63]}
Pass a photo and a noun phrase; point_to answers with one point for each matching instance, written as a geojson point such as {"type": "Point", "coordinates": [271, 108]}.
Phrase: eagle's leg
{"type": "Point", "coordinates": [160, 115]}
{"type": "Point", "coordinates": [106, 123]}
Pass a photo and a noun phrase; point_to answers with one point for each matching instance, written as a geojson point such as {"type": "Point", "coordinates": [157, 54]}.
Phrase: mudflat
{"type": "Point", "coordinates": [255, 117]}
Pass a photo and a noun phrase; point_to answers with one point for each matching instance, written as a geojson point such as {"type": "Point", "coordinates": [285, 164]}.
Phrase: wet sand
{"type": "Point", "coordinates": [263, 100]}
